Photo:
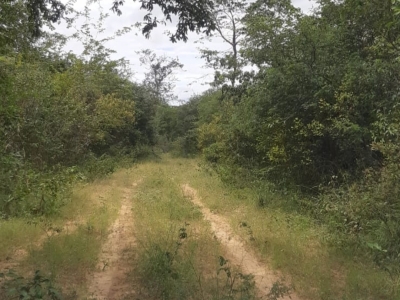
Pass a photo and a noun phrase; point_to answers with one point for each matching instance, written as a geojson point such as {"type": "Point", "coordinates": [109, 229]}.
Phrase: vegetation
{"type": "Point", "coordinates": [305, 148]}
{"type": "Point", "coordinates": [61, 117]}
{"type": "Point", "coordinates": [177, 258]}
{"type": "Point", "coordinates": [317, 123]}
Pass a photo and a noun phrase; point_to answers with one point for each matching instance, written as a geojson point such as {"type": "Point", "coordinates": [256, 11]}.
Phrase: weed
{"type": "Point", "coordinates": [38, 287]}
{"type": "Point", "coordinates": [248, 229]}
{"type": "Point", "coordinates": [278, 290]}
{"type": "Point", "coordinates": [237, 285]}
{"type": "Point", "coordinates": [160, 266]}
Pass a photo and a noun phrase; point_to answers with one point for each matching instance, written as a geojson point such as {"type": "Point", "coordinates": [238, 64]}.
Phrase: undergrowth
{"type": "Point", "coordinates": [66, 245]}
{"type": "Point", "coordinates": [34, 288]}
{"type": "Point", "coordinates": [323, 261]}
{"type": "Point", "coordinates": [177, 257]}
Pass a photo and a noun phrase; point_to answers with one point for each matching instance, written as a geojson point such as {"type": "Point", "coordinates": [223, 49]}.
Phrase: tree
{"type": "Point", "coordinates": [193, 15]}
{"type": "Point", "coordinates": [227, 17]}
{"type": "Point", "coordinates": [160, 76]}
{"type": "Point", "coordinates": [15, 28]}
{"type": "Point", "coordinates": [270, 28]}
{"type": "Point", "coordinates": [43, 11]}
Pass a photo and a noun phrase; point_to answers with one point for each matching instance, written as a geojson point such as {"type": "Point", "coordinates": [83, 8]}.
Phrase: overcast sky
{"type": "Point", "coordinates": [191, 80]}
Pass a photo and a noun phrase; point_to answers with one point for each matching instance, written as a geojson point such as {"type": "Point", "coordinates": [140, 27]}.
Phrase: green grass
{"type": "Point", "coordinates": [168, 266]}
{"type": "Point", "coordinates": [16, 234]}
{"type": "Point", "coordinates": [67, 258]}
{"type": "Point", "coordinates": [292, 243]}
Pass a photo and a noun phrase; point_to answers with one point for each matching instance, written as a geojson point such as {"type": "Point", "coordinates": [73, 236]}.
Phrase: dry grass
{"type": "Point", "coordinates": [164, 269]}
{"type": "Point", "coordinates": [290, 243]}
{"type": "Point", "coordinates": [65, 248]}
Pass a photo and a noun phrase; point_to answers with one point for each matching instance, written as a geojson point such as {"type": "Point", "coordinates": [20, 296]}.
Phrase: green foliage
{"type": "Point", "coordinates": [38, 287]}
{"type": "Point", "coordinates": [367, 212]}
{"type": "Point", "coordinates": [314, 107]}
{"type": "Point", "coordinates": [237, 285]}
{"type": "Point", "coordinates": [228, 65]}
{"type": "Point", "coordinates": [320, 117]}
{"type": "Point", "coordinates": [15, 28]}
{"type": "Point", "coordinates": [278, 290]}
{"type": "Point", "coordinates": [164, 270]}
{"type": "Point", "coordinates": [192, 16]}
{"type": "Point", "coordinates": [159, 78]}
{"type": "Point", "coordinates": [176, 128]}
{"type": "Point", "coordinates": [60, 112]}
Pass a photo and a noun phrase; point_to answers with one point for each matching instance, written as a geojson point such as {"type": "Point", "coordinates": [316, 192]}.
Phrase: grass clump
{"type": "Point", "coordinates": [16, 234]}
{"type": "Point", "coordinates": [65, 247]}
{"type": "Point", "coordinates": [320, 267]}
{"type": "Point", "coordinates": [177, 257]}
{"type": "Point", "coordinates": [166, 269]}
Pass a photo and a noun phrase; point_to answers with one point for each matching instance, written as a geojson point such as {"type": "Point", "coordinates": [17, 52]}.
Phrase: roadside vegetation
{"type": "Point", "coordinates": [177, 257]}
{"type": "Point", "coordinates": [313, 132]}
{"type": "Point", "coordinates": [300, 154]}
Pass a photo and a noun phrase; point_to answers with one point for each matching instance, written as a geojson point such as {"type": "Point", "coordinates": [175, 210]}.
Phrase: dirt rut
{"type": "Point", "coordinates": [236, 252]}
{"type": "Point", "coordinates": [109, 280]}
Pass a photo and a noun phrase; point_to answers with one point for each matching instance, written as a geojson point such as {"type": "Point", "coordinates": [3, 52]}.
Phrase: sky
{"type": "Point", "coordinates": [191, 80]}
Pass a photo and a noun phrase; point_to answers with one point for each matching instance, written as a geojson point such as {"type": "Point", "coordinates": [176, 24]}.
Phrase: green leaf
{"type": "Point", "coordinates": [375, 246]}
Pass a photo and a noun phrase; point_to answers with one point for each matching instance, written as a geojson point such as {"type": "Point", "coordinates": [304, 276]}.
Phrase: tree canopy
{"type": "Point", "coordinates": [191, 15]}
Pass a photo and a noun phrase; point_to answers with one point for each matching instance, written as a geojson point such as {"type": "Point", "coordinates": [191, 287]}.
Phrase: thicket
{"type": "Point", "coordinates": [62, 117]}
{"type": "Point", "coordinates": [319, 118]}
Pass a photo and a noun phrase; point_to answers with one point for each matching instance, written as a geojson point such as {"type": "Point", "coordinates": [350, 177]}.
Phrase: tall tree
{"type": "Point", "coordinates": [227, 17]}
{"type": "Point", "coordinates": [43, 11]}
{"type": "Point", "coordinates": [160, 75]}
{"type": "Point", "coordinates": [15, 28]}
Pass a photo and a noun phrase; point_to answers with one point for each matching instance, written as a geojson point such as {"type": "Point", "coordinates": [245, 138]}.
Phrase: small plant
{"type": "Point", "coordinates": [36, 288]}
{"type": "Point", "coordinates": [278, 290]}
{"type": "Point", "coordinates": [237, 285]}
{"type": "Point", "coordinates": [249, 230]}
{"type": "Point", "coordinates": [161, 266]}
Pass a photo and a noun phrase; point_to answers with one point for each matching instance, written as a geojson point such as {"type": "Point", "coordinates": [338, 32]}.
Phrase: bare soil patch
{"type": "Point", "coordinates": [235, 248]}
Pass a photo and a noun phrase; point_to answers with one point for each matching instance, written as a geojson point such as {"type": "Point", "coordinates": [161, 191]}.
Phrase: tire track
{"type": "Point", "coordinates": [109, 280]}
{"type": "Point", "coordinates": [235, 248]}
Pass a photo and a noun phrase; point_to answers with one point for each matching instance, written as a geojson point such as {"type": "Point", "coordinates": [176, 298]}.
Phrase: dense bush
{"type": "Point", "coordinates": [53, 119]}
{"type": "Point", "coordinates": [320, 118]}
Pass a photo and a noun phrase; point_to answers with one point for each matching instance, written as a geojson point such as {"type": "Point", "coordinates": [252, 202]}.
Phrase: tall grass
{"type": "Point", "coordinates": [65, 247]}
{"type": "Point", "coordinates": [291, 242]}
{"type": "Point", "coordinates": [177, 257]}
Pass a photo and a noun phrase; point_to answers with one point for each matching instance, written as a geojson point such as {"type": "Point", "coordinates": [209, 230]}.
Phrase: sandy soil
{"type": "Point", "coordinates": [235, 248]}
{"type": "Point", "coordinates": [109, 281]}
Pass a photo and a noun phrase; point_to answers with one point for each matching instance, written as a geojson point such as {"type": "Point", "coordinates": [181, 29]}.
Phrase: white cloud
{"type": "Point", "coordinates": [191, 80]}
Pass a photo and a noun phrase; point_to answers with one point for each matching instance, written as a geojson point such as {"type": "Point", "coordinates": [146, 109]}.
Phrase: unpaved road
{"type": "Point", "coordinates": [235, 249]}
{"type": "Point", "coordinates": [109, 281]}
